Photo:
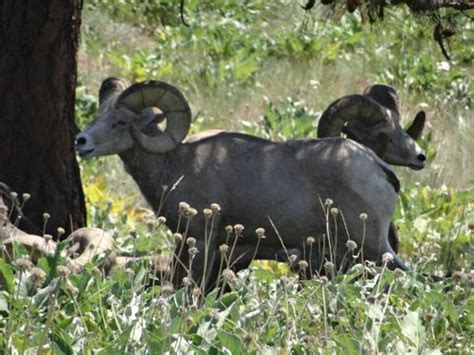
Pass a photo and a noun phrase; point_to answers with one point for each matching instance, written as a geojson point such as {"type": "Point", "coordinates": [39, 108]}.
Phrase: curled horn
{"type": "Point", "coordinates": [353, 107]}
{"type": "Point", "coordinates": [173, 105]}
{"type": "Point", "coordinates": [384, 95]}
{"type": "Point", "coordinates": [111, 86]}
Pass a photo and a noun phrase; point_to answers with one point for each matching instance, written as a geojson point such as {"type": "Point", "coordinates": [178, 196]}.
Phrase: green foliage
{"type": "Point", "coordinates": [293, 121]}
{"type": "Point", "coordinates": [367, 310]}
{"type": "Point", "coordinates": [86, 106]}
{"type": "Point", "coordinates": [230, 42]}
{"type": "Point", "coordinates": [435, 221]}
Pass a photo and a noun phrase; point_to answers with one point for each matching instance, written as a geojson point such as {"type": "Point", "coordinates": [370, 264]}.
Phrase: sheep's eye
{"type": "Point", "coordinates": [121, 123]}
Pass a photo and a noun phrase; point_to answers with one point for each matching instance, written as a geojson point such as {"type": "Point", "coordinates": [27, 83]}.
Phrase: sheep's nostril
{"type": "Point", "coordinates": [421, 157]}
{"type": "Point", "coordinates": [81, 141]}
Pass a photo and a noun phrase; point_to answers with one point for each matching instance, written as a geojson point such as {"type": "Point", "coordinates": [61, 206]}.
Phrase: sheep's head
{"type": "Point", "coordinates": [373, 119]}
{"type": "Point", "coordinates": [129, 115]}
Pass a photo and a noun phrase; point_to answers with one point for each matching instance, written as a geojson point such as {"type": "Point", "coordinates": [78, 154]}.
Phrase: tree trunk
{"type": "Point", "coordinates": [38, 48]}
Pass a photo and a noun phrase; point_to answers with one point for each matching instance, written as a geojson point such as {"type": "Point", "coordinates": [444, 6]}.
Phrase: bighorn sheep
{"type": "Point", "coordinates": [259, 183]}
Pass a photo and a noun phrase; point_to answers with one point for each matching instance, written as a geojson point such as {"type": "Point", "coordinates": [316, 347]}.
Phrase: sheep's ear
{"type": "Point", "coordinates": [112, 86]}
{"type": "Point", "coordinates": [416, 128]}
{"type": "Point", "coordinates": [149, 116]}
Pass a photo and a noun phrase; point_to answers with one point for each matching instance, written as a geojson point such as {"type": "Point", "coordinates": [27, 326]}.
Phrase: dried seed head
{"type": "Point", "coordinates": [63, 271]}
{"type": "Point", "coordinates": [183, 207]}
{"type": "Point", "coordinates": [387, 258]}
{"type": "Point", "coordinates": [370, 264]}
{"type": "Point", "coordinates": [13, 194]}
{"type": "Point", "coordinates": [310, 240]}
{"type": "Point", "coordinates": [26, 196]}
{"type": "Point", "coordinates": [197, 292]}
{"type": "Point", "coordinates": [37, 275]}
{"type": "Point", "coordinates": [187, 281]}
{"type": "Point", "coordinates": [190, 212]}
{"type": "Point", "coordinates": [74, 291]}
{"type": "Point", "coordinates": [328, 202]}
{"type": "Point", "coordinates": [111, 300]}
{"type": "Point", "coordinates": [329, 267]}
{"type": "Point", "coordinates": [371, 299]}
{"type": "Point", "coordinates": [399, 273]}
{"type": "Point", "coordinates": [229, 276]}
{"type": "Point", "coordinates": [48, 237]}
{"type": "Point", "coordinates": [23, 264]}
{"type": "Point", "coordinates": [351, 245]}
{"type": "Point", "coordinates": [178, 237]}
{"type": "Point", "coordinates": [238, 228]}
{"type": "Point", "coordinates": [324, 280]}
{"type": "Point", "coordinates": [260, 232]}
{"type": "Point", "coordinates": [363, 216]}
{"type": "Point", "coordinates": [191, 241]}
{"type": "Point", "coordinates": [46, 216]}
{"type": "Point", "coordinates": [167, 290]}
{"type": "Point", "coordinates": [60, 231]}
{"type": "Point", "coordinates": [193, 251]}
{"type": "Point", "coordinates": [134, 233]}
{"type": "Point", "coordinates": [161, 220]}
{"type": "Point", "coordinates": [303, 265]}
{"type": "Point", "coordinates": [223, 248]}
{"type": "Point", "coordinates": [430, 316]}
{"type": "Point", "coordinates": [292, 258]}
{"type": "Point", "coordinates": [207, 213]}
{"type": "Point", "coordinates": [334, 211]}
{"type": "Point", "coordinates": [285, 280]}
{"type": "Point", "coordinates": [229, 229]}
{"type": "Point", "coordinates": [215, 207]}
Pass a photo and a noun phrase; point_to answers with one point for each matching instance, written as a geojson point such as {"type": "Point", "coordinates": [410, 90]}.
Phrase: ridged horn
{"type": "Point", "coordinates": [111, 86]}
{"type": "Point", "coordinates": [384, 95]}
{"type": "Point", "coordinates": [173, 105]}
{"type": "Point", "coordinates": [348, 108]}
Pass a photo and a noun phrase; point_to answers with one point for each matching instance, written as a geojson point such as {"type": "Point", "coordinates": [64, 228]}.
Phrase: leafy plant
{"type": "Point", "coordinates": [292, 121]}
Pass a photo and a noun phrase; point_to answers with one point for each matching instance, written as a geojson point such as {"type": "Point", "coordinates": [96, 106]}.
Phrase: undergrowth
{"type": "Point", "coordinates": [264, 68]}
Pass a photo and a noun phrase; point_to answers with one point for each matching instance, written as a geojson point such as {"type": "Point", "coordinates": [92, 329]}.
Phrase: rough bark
{"type": "Point", "coordinates": [38, 48]}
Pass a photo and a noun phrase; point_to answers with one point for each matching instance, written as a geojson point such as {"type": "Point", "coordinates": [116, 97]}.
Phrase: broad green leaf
{"type": "Point", "coordinates": [230, 341]}
{"type": "Point", "coordinates": [7, 273]}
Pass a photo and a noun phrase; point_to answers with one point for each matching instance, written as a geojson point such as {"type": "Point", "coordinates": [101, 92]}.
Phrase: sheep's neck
{"type": "Point", "coordinates": [151, 172]}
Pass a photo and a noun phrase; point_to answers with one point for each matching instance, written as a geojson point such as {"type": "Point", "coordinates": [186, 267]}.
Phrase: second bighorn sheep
{"type": "Point", "coordinates": [256, 181]}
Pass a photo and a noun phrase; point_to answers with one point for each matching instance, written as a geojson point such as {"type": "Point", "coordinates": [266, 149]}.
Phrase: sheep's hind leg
{"type": "Point", "coordinates": [393, 237]}
{"type": "Point", "coordinates": [378, 244]}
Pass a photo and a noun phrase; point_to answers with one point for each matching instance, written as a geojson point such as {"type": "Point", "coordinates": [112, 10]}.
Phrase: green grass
{"type": "Point", "coordinates": [254, 66]}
